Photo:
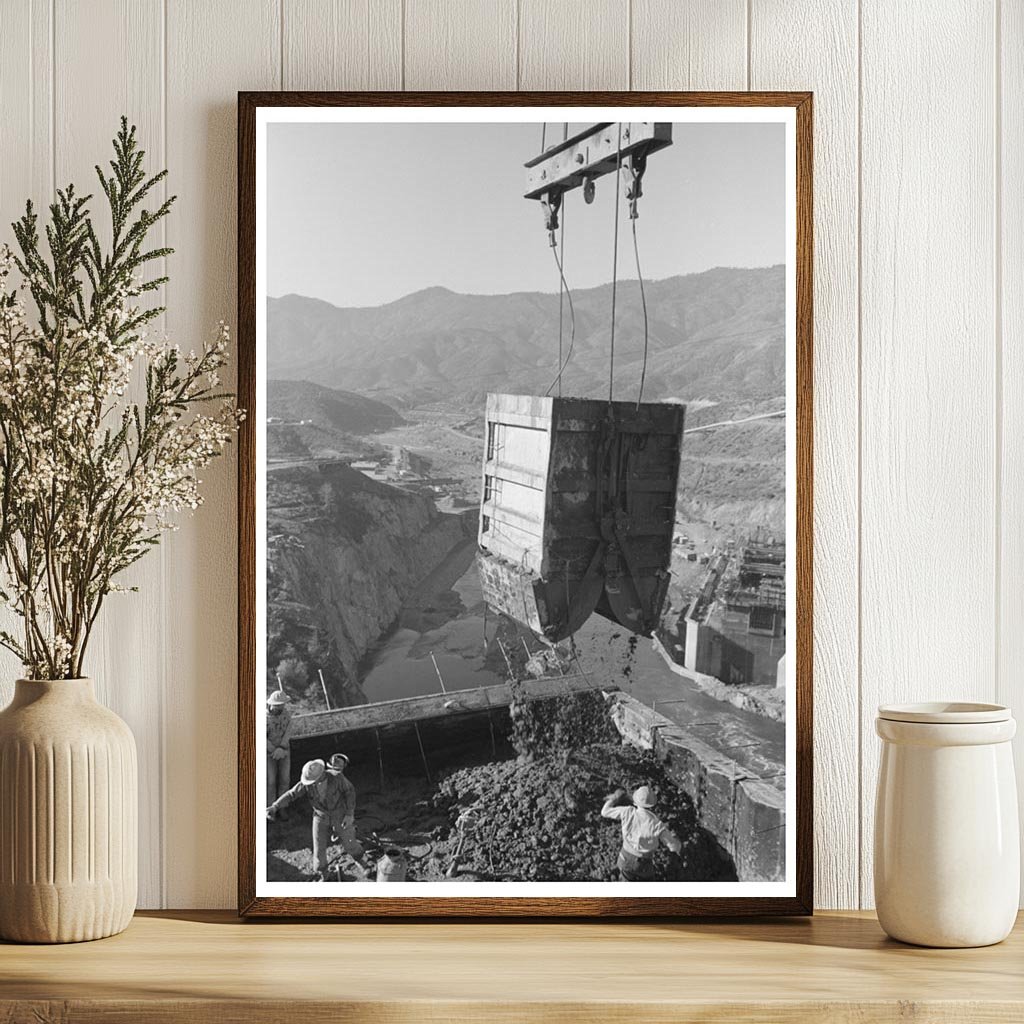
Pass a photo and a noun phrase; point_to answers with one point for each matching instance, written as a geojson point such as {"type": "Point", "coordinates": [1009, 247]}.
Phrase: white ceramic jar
{"type": "Point", "coordinates": [947, 847]}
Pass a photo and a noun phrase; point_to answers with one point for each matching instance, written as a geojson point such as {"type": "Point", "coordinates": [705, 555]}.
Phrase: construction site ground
{"type": "Point", "coordinates": [518, 817]}
{"type": "Point", "coordinates": [536, 810]}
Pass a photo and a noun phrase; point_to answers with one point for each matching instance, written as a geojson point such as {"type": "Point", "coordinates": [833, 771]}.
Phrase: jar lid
{"type": "Point", "coordinates": [945, 713]}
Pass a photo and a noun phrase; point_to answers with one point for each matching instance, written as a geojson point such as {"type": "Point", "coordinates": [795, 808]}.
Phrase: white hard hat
{"type": "Point", "coordinates": [313, 771]}
{"type": "Point", "coordinates": [277, 699]}
{"type": "Point", "coordinates": [338, 761]}
{"type": "Point", "coordinates": [644, 796]}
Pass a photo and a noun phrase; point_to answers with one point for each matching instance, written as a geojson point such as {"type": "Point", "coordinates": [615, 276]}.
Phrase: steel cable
{"type": "Point", "coordinates": [615, 265]}
{"type": "Point", "coordinates": [562, 286]}
{"type": "Point", "coordinates": [561, 292]}
{"type": "Point", "coordinates": [567, 291]}
{"type": "Point", "coordinates": [643, 302]}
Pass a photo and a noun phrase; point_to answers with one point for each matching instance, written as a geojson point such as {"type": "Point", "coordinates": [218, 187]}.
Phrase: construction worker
{"type": "Point", "coordinates": [346, 831]}
{"type": "Point", "coordinates": [279, 751]}
{"type": "Point", "coordinates": [333, 800]}
{"type": "Point", "coordinates": [642, 832]}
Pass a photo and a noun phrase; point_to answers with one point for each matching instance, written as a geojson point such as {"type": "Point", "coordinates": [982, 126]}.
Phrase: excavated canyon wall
{"type": "Point", "coordinates": [344, 552]}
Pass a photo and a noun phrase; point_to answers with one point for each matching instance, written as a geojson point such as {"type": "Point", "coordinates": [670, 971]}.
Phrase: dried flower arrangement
{"type": "Point", "coordinates": [90, 477]}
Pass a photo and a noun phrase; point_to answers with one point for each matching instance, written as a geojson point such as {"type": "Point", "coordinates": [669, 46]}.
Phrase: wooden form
{"type": "Point", "coordinates": [436, 705]}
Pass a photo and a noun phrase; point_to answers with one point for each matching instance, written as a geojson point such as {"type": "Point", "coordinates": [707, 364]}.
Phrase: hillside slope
{"type": "Point", "coordinates": [306, 419]}
{"type": "Point", "coordinates": [329, 408]}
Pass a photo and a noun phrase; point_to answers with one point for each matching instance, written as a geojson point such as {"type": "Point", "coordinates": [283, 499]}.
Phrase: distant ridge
{"type": "Point", "coordinates": [718, 336]}
{"type": "Point", "coordinates": [293, 401]}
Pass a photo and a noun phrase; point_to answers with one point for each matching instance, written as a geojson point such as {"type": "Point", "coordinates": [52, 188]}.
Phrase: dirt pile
{"type": "Point", "coordinates": [539, 820]}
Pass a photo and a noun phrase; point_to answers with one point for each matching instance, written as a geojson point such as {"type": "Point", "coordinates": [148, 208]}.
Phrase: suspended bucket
{"type": "Point", "coordinates": [578, 510]}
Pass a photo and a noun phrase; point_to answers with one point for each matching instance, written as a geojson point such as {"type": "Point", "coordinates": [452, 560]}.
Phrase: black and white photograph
{"type": "Point", "coordinates": [525, 502]}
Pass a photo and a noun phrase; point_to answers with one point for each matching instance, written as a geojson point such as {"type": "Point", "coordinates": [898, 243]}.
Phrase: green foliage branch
{"type": "Point", "coordinates": [103, 430]}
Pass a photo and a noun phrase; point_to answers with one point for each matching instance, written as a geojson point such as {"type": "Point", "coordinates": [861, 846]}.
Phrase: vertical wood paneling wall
{"type": "Point", "coordinates": [919, 315]}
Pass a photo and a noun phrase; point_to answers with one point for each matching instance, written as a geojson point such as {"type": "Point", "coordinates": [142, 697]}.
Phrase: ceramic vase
{"type": "Point", "coordinates": [947, 847]}
{"type": "Point", "coordinates": [68, 815]}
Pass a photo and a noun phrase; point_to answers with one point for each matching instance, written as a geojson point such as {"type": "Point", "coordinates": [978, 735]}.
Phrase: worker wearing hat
{"type": "Point", "coordinates": [279, 751]}
{"type": "Point", "coordinates": [345, 829]}
{"type": "Point", "coordinates": [333, 799]}
{"type": "Point", "coordinates": [642, 833]}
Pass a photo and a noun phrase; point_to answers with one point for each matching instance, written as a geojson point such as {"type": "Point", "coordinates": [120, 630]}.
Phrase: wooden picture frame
{"type": "Point", "coordinates": [253, 904]}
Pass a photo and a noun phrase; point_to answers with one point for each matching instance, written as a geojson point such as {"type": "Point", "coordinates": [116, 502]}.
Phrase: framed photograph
{"type": "Point", "coordinates": [525, 504]}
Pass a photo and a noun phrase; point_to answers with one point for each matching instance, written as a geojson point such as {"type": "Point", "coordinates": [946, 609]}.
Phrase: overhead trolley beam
{"type": "Point", "coordinates": [591, 154]}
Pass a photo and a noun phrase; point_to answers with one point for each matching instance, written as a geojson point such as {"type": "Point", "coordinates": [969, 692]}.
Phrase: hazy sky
{"type": "Point", "coordinates": [362, 214]}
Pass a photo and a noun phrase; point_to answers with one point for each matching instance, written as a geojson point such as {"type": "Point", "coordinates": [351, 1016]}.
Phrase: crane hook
{"type": "Point", "coordinates": [550, 204]}
{"type": "Point", "coordinates": [635, 165]}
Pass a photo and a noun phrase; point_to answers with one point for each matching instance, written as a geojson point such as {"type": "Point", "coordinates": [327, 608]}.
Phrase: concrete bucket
{"type": "Point", "coordinates": [578, 510]}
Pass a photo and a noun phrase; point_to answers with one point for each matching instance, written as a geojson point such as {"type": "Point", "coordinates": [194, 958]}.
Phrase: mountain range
{"type": "Point", "coordinates": [713, 337]}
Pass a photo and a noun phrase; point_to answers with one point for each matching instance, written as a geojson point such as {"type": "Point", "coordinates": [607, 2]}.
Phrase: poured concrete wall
{"type": "Point", "coordinates": [747, 815]}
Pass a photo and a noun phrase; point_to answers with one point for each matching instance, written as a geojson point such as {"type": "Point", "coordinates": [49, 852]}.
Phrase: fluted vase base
{"type": "Point", "coordinates": [68, 815]}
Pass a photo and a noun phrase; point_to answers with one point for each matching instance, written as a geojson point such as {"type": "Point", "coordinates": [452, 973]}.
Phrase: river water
{"type": "Point", "coordinates": [400, 665]}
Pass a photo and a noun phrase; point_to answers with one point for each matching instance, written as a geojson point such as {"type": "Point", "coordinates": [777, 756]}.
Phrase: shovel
{"type": "Point", "coordinates": [454, 866]}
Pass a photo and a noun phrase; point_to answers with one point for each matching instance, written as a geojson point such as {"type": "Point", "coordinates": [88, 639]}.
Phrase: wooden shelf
{"type": "Point", "coordinates": [210, 967]}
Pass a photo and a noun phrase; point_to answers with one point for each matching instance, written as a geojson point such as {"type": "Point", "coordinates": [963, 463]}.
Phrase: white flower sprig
{"type": "Point", "coordinates": [88, 477]}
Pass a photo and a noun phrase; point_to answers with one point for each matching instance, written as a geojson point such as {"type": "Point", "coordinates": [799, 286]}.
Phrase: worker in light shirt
{"type": "Point", "coordinates": [333, 801]}
{"type": "Point", "coordinates": [279, 739]}
{"type": "Point", "coordinates": [642, 833]}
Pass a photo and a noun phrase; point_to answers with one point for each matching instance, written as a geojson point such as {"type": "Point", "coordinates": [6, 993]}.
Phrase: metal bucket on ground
{"type": "Point", "coordinates": [392, 867]}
